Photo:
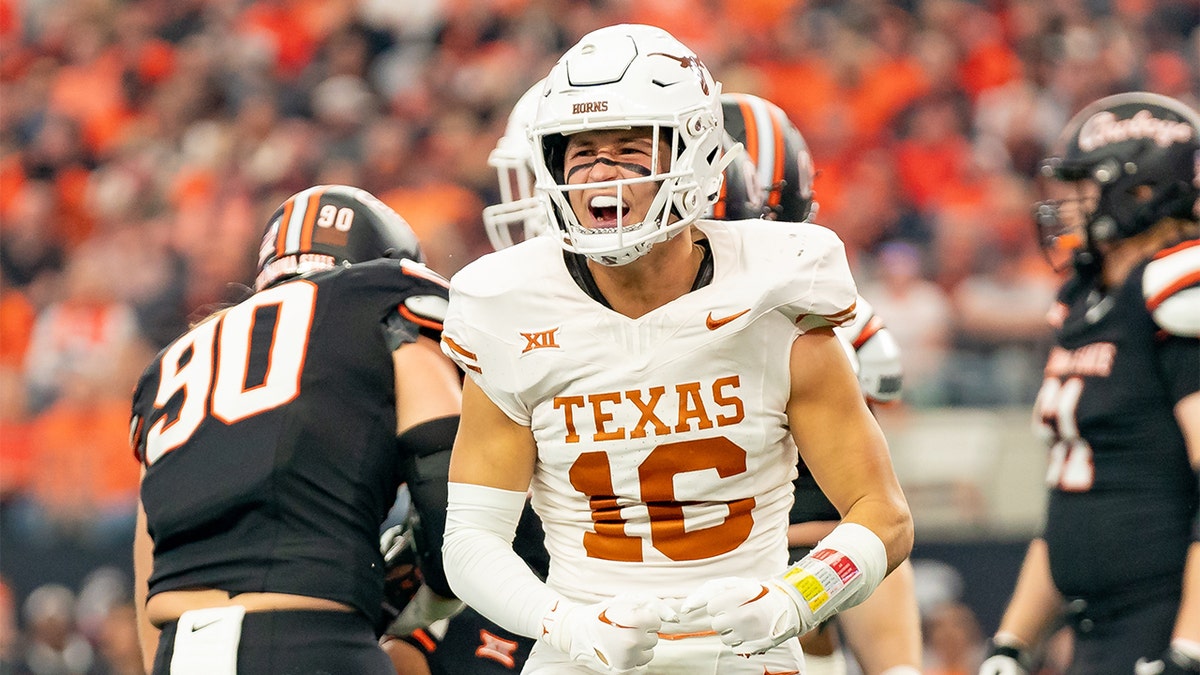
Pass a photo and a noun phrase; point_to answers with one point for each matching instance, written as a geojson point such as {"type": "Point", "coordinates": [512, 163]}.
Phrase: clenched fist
{"type": "Point", "coordinates": [613, 636]}
{"type": "Point", "coordinates": [751, 616]}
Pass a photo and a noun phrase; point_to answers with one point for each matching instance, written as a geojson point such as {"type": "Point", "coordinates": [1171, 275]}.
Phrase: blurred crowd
{"type": "Point", "coordinates": [143, 144]}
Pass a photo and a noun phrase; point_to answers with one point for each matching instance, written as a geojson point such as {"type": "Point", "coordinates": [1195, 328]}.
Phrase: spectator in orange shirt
{"type": "Point", "coordinates": [82, 481]}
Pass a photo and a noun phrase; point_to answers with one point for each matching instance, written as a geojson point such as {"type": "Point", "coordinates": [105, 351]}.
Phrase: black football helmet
{"type": "Point", "coordinates": [1142, 152]}
{"type": "Point", "coordinates": [778, 150]}
{"type": "Point", "coordinates": [330, 225]}
{"type": "Point", "coordinates": [741, 196]}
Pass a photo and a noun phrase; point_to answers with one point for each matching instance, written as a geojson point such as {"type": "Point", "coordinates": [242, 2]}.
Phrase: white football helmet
{"type": "Point", "coordinates": [622, 77]}
{"type": "Point", "coordinates": [521, 214]}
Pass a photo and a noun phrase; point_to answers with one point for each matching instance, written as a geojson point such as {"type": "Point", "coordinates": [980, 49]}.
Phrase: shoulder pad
{"type": "Point", "coordinates": [803, 267]}
{"type": "Point", "coordinates": [1171, 288]}
{"type": "Point", "coordinates": [416, 315]}
{"type": "Point", "coordinates": [496, 273]}
{"type": "Point", "coordinates": [420, 271]}
{"type": "Point", "coordinates": [427, 311]}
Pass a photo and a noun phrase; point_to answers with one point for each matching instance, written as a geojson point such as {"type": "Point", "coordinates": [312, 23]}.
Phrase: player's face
{"type": "Point", "coordinates": [1078, 199]}
{"type": "Point", "coordinates": [608, 155]}
{"type": "Point", "coordinates": [1075, 200]}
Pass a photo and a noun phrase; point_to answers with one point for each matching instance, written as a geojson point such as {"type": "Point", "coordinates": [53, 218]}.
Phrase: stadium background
{"type": "Point", "coordinates": [143, 143]}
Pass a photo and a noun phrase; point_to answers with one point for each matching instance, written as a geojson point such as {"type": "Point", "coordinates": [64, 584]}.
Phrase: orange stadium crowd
{"type": "Point", "coordinates": [143, 143]}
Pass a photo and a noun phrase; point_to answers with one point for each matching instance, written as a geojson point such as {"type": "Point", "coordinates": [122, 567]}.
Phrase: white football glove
{"type": "Point", "coordinates": [613, 636]}
{"type": "Point", "coordinates": [1002, 665]}
{"type": "Point", "coordinates": [751, 616]}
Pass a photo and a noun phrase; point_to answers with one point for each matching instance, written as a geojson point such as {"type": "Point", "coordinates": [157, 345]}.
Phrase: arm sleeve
{"type": "Point", "coordinates": [480, 562]}
{"type": "Point", "coordinates": [425, 458]}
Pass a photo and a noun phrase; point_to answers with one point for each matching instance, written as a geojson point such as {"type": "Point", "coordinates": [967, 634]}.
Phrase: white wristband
{"type": "Point", "coordinates": [843, 569]}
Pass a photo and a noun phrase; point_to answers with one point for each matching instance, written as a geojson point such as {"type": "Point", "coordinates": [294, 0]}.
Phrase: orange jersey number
{"type": "Point", "coordinates": [591, 475]}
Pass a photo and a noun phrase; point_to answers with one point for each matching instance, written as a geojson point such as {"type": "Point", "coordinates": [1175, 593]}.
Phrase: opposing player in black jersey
{"type": "Point", "coordinates": [273, 437]}
{"type": "Point", "coordinates": [1120, 403]}
{"type": "Point", "coordinates": [884, 631]}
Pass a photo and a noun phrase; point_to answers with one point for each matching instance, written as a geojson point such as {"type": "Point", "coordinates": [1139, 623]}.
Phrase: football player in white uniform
{"type": "Point", "coordinates": [884, 632]}
{"type": "Point", "coordinates": [651, 375]}
{"type": "Point", "coordinates": [521, 214]}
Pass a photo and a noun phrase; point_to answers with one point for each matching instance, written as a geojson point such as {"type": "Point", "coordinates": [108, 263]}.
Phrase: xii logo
{"type": "Point", "coordinates": [540, 340]}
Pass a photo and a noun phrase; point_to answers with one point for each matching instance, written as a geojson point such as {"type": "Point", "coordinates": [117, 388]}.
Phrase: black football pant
{"type": "Point", "coordinates": [304, 642]}
{"type": "Point", "coordinates": [1112, 641]}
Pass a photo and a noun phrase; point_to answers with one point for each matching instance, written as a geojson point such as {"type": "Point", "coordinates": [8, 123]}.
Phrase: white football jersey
{"type": "Point", "coordinates": [664, 457]}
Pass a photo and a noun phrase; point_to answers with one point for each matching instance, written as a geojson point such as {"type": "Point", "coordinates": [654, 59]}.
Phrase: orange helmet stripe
{"type": "Point", "coordinates": [874, 325]}
{"type": "Point", "coordinates": [779, 124]}
{"type": "Point", "coordinates": [419, 320]}
{"type": "Point", "coordinates": [299, 214]}
{"type": "Point", "coordinates": [1178, 247]}
{"type": "Point", "coordinates": [310, 218]}
{"type": "Point", "coordinates": [1179, 284]}
{"type": "Point", "coordinates": [281, 237]}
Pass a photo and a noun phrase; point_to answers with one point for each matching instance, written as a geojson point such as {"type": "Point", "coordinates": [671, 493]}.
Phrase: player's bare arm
{"type": "Point", "coordinates": [437, 395]}
{"type": "Point", "coordinates": [1187, 625]}
{"type": "Point", "coordinates": [143, 565]}
{"type": "Point", "coordinates": [491, 449]}
{"type": "Point", "coordinates": [1035, 606]}
{"type": "Point", "coordinates": [842, 444]}
{"type": "Point", "coordinates": [429, 410]}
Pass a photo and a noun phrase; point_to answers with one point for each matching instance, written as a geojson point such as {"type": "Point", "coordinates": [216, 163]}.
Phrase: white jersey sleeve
{"type": "Point", "coordinates": [801, 268]}
{"type": "Point", "coordinates": [1171, 287]}
{"type": "Point", "coordinates": [482, 333]}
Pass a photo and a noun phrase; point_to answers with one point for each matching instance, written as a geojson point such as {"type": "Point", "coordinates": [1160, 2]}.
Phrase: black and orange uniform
{"type": "Point", "coordinates": [268, 438]}
{"type": "Point", "coordinates": [1122, 495]}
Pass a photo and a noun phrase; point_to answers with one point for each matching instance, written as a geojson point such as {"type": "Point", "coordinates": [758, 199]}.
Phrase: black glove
{"type": "Point", "coordinates": [1006, 660]}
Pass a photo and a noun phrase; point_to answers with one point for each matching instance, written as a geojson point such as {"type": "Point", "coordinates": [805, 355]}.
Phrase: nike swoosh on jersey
{"type": "Point", "coordinates": [714, 324]}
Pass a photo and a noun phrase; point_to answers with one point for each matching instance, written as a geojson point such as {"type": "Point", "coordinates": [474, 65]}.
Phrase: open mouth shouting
{"type": "Point", "coordinates": [605, 209]}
